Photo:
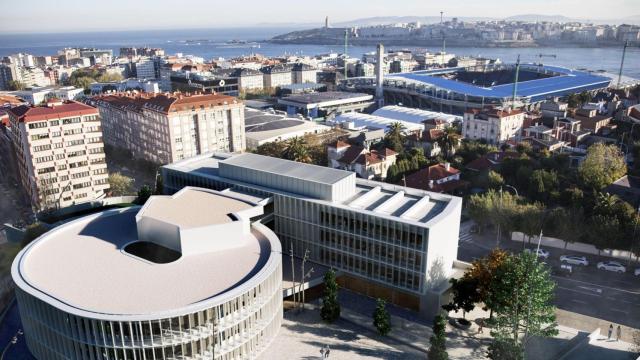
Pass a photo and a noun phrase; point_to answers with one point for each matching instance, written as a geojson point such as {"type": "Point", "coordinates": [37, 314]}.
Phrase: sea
{"type": "Point", "coordinates": [232, 42]}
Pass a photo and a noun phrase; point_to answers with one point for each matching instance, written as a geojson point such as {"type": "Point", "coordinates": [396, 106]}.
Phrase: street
{"type": "Point", "coordinates": [586, 290]}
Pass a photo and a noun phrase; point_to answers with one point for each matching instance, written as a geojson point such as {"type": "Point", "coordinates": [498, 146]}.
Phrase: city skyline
{"type": "Point", "coordinates": [157, 15]}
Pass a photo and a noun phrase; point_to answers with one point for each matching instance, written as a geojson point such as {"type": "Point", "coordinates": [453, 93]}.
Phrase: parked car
{"type": "Point", "coordinates": [637, 273]}
{"type": "Point", "coordinates": [611, 266]}
{"type": "Point", "coordinates": [540, 252]}
{"type": "Point", "coordinates": [574, 260]}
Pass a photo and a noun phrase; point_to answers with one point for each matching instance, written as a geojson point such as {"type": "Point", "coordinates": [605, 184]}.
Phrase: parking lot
{"type": "Point", "coordinates": [584, 290]}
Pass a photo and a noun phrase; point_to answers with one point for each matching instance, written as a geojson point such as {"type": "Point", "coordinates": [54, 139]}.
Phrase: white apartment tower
{"type": "Point", "coordinates": [163, 128]}
{"type": "Point", "coordinates": [60, 153]}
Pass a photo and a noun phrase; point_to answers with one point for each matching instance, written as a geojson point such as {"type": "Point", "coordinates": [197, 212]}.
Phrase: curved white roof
{"type": "Point", "coordinates": [82, 268]}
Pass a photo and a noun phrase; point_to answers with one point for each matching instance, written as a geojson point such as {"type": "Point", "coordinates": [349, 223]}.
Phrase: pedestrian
{"type": "Point", "coordinates": [610, 331]}
{"type": "Point", "coordinates": [480, 331]}
{"type": "Point", "coordinates": [618, 333]}
{"type": "Point", "coordinates": [326, 354]}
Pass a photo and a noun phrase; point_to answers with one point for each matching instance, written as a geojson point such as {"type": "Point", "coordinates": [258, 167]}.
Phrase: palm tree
{"type": "Point", "coordinates": [297, 149]}
{"type": "Point", "coordinates": [449, 141]}
{"type": "Point", "coordinates": [394, 138]}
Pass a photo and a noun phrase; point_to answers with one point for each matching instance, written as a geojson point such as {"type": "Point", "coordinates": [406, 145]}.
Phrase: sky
{"type": "Point", "coordinates": [81, 15]}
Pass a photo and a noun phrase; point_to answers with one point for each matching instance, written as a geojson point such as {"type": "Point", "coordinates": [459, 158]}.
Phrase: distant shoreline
{"type": "Point", "coordinates": [438, 43]}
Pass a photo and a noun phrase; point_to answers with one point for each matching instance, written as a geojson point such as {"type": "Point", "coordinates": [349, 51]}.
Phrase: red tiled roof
{"type": "Point", "coordinates": [421, 178]}
{"type": "Point", "coordinates": [435, 122]}
{"type": "Point", "coordinates": [432, 135]}
{"type": "Point", "coordinates": [351, 154]}
{"type": "Point", "coordinates": [166, 102]}
{"type": "Point", "coordinates": [635, 112]}
{"type": "Point", "coordinates": [491, 159]}
{"type": "Point", "coordinates": [68, 109]}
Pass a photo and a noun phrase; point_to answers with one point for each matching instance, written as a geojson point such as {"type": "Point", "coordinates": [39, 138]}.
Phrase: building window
{"type": "Point", "coordinates": [71, 121]}
{"type": "Point", "coordinates": [38, 125]}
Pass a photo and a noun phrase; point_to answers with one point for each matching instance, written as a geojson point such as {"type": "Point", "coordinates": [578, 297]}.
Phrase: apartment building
{"type": "Point", "coordinates": [60, 153]}
{"type": "Point", "coordinates": [495, 126]}
{"type": "Point", "coordinates": [163, 128]}
{"type": "Point", "coordinates": [304, 73]}
{"type": "Point", "coordinates": [277, 75]}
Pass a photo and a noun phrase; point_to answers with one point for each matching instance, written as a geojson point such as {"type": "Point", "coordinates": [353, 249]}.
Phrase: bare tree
{"type": "Point", "coordinates": [303, 277]}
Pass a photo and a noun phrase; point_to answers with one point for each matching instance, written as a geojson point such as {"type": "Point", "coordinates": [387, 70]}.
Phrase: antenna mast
{"type": "Point", "coordinates": [346, 45]}
{"type": "Point", "coordinates": [515, 83]}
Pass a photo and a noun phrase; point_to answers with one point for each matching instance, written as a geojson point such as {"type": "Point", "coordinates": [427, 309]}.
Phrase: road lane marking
{"type": "Point", "coordinates": [620, 311]}
{"type": "Point", "coordinates": [579, 301]}
{"type": "Point", "coordinates": [578, 291]}
{"type": "Point", "coordinates": [602, 286]}
{"type": "Point", "coordinates": [594, 289]}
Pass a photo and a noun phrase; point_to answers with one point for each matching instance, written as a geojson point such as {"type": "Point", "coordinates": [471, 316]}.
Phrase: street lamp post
{"type": "Point", "coordinates": [13, 341]}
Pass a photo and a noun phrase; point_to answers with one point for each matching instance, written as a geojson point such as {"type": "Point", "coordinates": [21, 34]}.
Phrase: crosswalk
{"type": "Point", "coordinates": [465, 236]}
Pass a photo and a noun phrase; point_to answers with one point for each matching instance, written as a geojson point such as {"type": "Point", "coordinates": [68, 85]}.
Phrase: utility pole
{"type": "Point", "coordinates": [515, 83]}
{"type": "Point", "coordinates": [441, 13]}
{"type": "Point", "coordinates": [346, 46]}
{"type": "Point", "coordinates": [624, 53]}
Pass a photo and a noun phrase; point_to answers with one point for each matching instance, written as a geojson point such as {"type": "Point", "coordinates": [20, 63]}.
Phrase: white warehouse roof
{"type": "Point", "coordinates": [413, 115]}
{"type": "Point", "coordinates": [360, 121]}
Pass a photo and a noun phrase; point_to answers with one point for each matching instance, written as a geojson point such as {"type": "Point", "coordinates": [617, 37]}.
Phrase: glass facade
{"type": "Point", "coordinates": [238, 328]}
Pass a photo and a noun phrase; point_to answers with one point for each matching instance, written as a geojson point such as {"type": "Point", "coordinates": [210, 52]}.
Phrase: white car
{"type": "Point", "coordinates": [574, 260]}
{"type": "Point", "coordinates": [611, 266]}
{"type": "Point", "coordinates": [540, 252]}
{"type": "Point", "coordinates": [637, 272]}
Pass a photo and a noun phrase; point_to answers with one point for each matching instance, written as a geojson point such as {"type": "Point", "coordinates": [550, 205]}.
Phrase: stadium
{"type": "Point", "coordinates": [458, 89]}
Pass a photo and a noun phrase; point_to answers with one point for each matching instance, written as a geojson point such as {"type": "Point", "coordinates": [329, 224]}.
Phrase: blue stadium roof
{"type": "Point", "coordinates": [568, 81]}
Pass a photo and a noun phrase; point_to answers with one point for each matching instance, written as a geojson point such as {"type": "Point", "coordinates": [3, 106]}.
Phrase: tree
{"type": "Point", "coordinates": [438, 349]}
{"type": "Point", "coordinates": [523, 292]}
{"type": "Point", "coordinates": [120, 184]}
{"type": "Point", "coordinates": [394, 139]}
{"type": "Point", "coordinates": [273, 149]}
{"type": "Point", "coordinates": [330, 310]}
{"type": "Point", "coordinates": [542, 183]}
{"type": "Point", "coordinates": [465, 295]}
{"type": "Point", "coordinates": [83, 82]}
{"type": "Point", "coordinates": [531, 220]}
{"type": "Point", "coordinates": [449, 141]}
{"type": "Point", "coordinates": [505, 349]}
{"type": "Point", "coordinates": [603, 165]}
{"type": "Point", "coordinates": [296, 149]}
{"type": "Point", "coordinates": [15, 85]}
{"type": "Point", "coordinates": [482, 271]}
{"type": "Point", "coordinates": [381, 318]}
{"type": "Point", "coordinates": [495, 208]}
{"type": "Point", "coordinates": [494, 180]}
{"type": "Point", "coordinates": [144, 193]}
{"type": "Point", "coordinates": [106, 77]}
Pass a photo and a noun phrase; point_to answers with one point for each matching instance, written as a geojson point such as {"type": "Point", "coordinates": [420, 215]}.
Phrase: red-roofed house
{"type": "Point", "coordinates": [442, 178]}
{"type": "Point", "coordinates": [495, 126]}
{"type": "Point", "coordinates": [491, 160]}
{"type": "Point", "coordinates": [367, 164]}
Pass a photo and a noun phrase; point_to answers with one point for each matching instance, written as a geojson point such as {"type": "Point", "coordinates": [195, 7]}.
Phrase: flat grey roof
{"type": "Point", "coordinates": [320, 97]}
{"type": "Point", "coordinates": [282, 167]}
{"type": "Point", "coordinates": [82, 264]}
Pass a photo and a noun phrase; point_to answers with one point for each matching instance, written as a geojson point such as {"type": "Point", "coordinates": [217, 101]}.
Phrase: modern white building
{"type": "Point", "coordinates": [356, 121]}
{"type": "Point", "coordinates": [194, 275]}
{"type": "Point", "coordinates": [388, 241]}
{"type": "Point", "coordinates": [416, 116]}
